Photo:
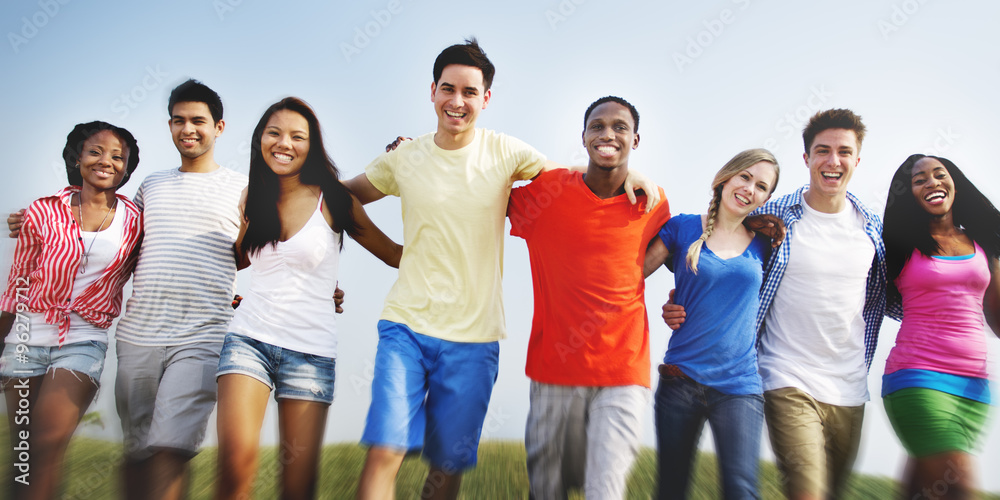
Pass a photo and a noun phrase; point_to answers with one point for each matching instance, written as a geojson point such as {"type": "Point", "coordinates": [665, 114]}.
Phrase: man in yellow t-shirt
{"type": "Point", "coordinates": [438, 354]}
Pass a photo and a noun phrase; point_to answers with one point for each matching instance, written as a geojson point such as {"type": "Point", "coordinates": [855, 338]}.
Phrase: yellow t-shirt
{"type": "Point", "coordinates": [454, 204]}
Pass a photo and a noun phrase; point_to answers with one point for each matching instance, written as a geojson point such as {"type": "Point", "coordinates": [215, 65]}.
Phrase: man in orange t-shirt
{"type": "Point", "coordinates": [588, 355]}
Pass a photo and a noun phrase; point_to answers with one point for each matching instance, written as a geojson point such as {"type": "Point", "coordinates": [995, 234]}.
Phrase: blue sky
{"type": "Point", "coordinates": [709, 79]}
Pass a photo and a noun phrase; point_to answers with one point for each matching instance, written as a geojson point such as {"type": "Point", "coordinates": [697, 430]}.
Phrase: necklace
{"type": "Point", "coordinates": [86, 251]}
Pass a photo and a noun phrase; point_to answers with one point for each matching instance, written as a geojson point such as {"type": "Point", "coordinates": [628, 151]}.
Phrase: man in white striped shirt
{"type": "Point", "coordinates": [168, 340]}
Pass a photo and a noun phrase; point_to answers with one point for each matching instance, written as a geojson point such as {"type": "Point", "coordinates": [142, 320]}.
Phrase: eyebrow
{"type": "Point", "coordinates": [827, 146]}
{"type": "Point", "coordinates": [292, 131]}
{"type": "Point", "coordinates": [935, 169]}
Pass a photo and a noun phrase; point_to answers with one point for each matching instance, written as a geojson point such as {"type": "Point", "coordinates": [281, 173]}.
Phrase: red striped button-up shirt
{"type": "Point", "coordinates": [47, 258]}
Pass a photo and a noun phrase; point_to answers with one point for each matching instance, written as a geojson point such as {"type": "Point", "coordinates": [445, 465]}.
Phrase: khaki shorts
{"type": "Point", "coordinates": [814, 443]}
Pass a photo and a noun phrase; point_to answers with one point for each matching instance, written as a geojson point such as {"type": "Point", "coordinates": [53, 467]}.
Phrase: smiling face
{"type": "Point", "coordinates": [609, 136]}
{"type": "Point", "coordinates": [748, 189]}
{"type": "Point", "coordinates": [932, 186]}
{"type": "Point", "coordinates": [285, 142]}
{"type": "Point", "coordinates": [458, 96]}
{"type": "Point", "coordinates": [102, 161]}
{"type": "Point", "coordinates": [193, 129]}
{"type": "Point", "coordinates": [831, 159]}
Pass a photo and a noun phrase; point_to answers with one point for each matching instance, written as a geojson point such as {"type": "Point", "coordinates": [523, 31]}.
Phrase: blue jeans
{"type": "Point", "coordinates": [682, 406]}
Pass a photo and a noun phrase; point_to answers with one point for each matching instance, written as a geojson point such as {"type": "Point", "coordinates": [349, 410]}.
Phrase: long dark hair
{"type": "Point", "coordinates": [263, 223]}
{"type": "Point", "coordinates": [907, 225]}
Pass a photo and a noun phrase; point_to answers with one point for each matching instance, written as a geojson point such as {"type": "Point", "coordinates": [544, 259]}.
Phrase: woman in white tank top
{"type": "Point", "coordinates": [283, 335]}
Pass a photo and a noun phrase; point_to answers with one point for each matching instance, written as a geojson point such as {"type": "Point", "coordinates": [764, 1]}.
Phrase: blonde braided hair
{"type": "Point", "coordinates": [694, 251]}
{"type": "Point", "coordinates": [742, 161]}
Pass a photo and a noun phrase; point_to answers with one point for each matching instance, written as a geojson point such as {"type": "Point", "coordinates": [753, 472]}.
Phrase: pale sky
{"type": "Point", "coordinates": [708, 78]}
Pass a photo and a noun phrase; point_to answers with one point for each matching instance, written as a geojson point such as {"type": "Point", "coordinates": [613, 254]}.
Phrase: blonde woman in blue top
{"type": "Point", "coordinates": [710, 368]}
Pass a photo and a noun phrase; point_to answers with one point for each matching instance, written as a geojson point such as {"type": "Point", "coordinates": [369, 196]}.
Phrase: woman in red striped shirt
{"type": "Point", "coordinates": [76, 251]}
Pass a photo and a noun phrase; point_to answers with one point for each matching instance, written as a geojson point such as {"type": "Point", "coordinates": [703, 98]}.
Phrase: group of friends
{"type": "Point", "coordinates": [776, 312]}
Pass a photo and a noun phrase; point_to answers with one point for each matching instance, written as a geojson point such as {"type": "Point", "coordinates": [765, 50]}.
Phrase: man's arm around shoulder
{"type": "Point", "coordinates": [363, 189]}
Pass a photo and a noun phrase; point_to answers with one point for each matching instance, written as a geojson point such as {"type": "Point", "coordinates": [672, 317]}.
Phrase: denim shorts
{"type": "Point", "coordinates": [290, 374]}
{"type": "Point", "coordinates": [86, 358]}
{"type": "Point", "coordinates": [430, 395]}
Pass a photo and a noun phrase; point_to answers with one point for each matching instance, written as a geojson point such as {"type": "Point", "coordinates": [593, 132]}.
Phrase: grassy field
{"type": "Point", "coordinates": [92, 468]}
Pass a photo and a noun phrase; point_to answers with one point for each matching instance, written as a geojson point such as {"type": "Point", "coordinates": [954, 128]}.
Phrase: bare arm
{"type": "Point", "coordinates": [768, 225]}
{"type": "Point", "coordinates": [635, 181]}
{"type": "Point", "coordinates": [363, 189]}
{"type": "Point", "coordinates": [991, 302]}
{"type": "Point", "coordinates": [242, 261]}
{"type": "Point", "coordinates": [372, 238]}
{"type": "Point", "coordinates": [656, 254]}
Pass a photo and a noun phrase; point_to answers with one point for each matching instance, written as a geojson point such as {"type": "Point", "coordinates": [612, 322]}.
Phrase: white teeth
{"type": "Point", "coordinates": [282, 156]}
{"type": "Point", "coordinates": [934, 196]}
{"type": "Point", "coordinates": [831, 175]}
{"type": "Point", "coordinates": [607, 149]}
{"type": "Point", "coordinates": [743, 199]}
{"type": "Point", "coordinates": [454, 114]}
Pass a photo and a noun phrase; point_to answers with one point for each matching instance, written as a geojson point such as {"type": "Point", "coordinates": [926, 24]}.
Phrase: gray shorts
{"type": "Point", "coordinates": [165, 395]}
{"type": "Point", "coordinates": [583, 437]}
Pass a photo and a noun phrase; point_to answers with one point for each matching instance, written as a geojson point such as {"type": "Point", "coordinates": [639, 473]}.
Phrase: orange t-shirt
{"type": "Point", "coordinates": [590, 326]}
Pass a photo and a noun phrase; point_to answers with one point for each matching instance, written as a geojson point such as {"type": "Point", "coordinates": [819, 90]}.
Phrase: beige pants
{"type": "Point", "coordinates": [815, 443]}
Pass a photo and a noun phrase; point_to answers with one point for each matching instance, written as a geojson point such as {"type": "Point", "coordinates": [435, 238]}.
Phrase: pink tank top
{"type": "Point", "coordinates": [943, 327]}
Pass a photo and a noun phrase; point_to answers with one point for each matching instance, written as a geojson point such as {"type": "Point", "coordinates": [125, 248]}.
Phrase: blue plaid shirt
{"type": "Point", "coordinates": [789, 209]}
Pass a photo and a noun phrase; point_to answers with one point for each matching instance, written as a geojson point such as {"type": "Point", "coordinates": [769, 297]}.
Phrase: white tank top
{"type": "Point", "coordinates": [290, 302]}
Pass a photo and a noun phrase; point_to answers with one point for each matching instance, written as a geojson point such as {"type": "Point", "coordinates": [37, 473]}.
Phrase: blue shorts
{"type": "Point", "coordinates": [86, 358]}
{"type": "Point", "coordinates": [430, 394]}
{"type": "Point", "coordinates": [290, 374]}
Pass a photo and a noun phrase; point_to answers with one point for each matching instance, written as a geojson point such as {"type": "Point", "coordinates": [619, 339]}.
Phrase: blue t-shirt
{"type": "Point", "coordinates": [716, 345]}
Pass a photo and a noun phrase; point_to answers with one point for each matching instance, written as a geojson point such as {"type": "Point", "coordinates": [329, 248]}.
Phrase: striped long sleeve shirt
{"type": "Point", "coordinates": [47, 257]}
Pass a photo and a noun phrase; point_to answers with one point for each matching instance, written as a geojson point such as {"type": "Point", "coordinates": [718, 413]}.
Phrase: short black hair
{"type": "Point", "coordinates": [619, 100]}
{"type": "Point", "coordinates": [79, 135]}
{"type": "Point", "coordinates": [466, 54]}
{"type": "Point", "coordinates": [195, 91]}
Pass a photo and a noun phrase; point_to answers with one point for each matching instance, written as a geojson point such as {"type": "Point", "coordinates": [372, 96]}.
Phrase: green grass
{"type": "Point", "coordinates": [92, 473]}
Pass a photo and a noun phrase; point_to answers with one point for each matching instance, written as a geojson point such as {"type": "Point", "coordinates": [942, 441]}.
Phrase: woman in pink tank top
{"type": "Point", "coordinates": [283, 336]}
{"type": "Point", "coordinates": [942, 243]}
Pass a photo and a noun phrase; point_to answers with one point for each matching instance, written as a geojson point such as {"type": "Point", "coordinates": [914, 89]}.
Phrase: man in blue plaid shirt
{"type": "Point", "coordinates": [822, 304]}
{"type": "Point", "coordinates": [821, 309]}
